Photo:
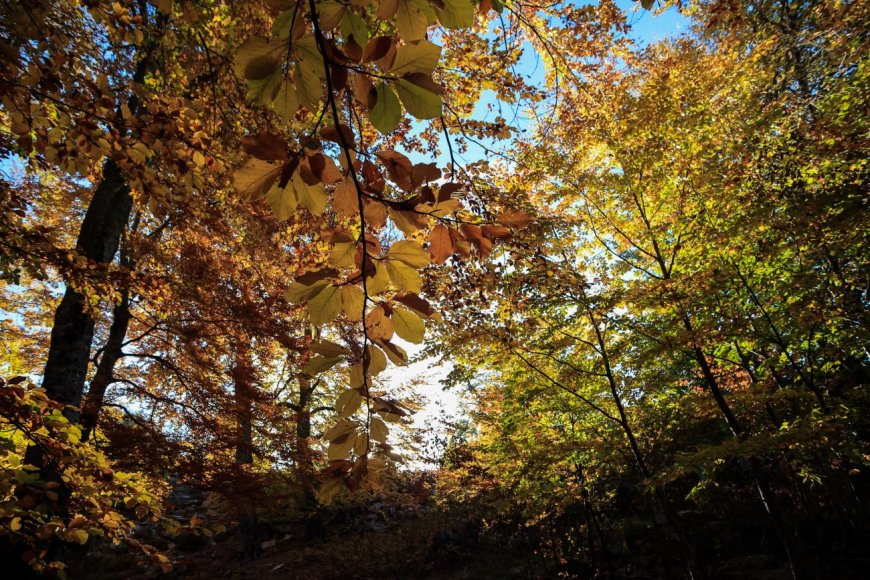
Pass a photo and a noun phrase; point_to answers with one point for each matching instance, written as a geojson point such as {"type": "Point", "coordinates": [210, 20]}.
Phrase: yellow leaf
{"type": "Point", "coordinates": [343, 427]}
{"type": "Point", "coordinates": [298, 292]}
{"type": "Point", "coordinates": [329, 490]}
{"type": "Point", "coordinates": [282, 201]}
{"type": "Point", "coordinates": [255, 178]}
{"type": "Point", "coordinates": [78, 535]}
{"type": "Point", "coordinates": [379, 282]}
{"type": "Point", "coordinates": [340, 448]}
{"type": "Point", "coordinates": [404, 277]}
{"type": "Point", "coordinates": [408, 325]}
{"type": "Point", "coordinates": [407, 221]}
{"type": "Point", "coordinates": [379, 430]}
{"type": "Point", "coordinates": [352, 300]}
{"type": "Point", "coordinates": [348, 403]}
{"type": "Point", "coordinates": [327, 348]}
{"type": "Point", "coordinates": [325, 306]}
{"type": "Point", "coordinates": [409, 252]}
{"type": "Point", "coordinates": [416, 57]}
{"type": "Point", "coordinates": [377, 360]}
{"type": "Point", "coordinates": [419, 101]}
{"type": "Point", "coordinates": [456, 14]}
{"type": "Point", "coordinates": [361, 446]}
{"type": "Point", "coordinates": [311, 197]}
{"type": "Point", "coordinates": [342, 255]}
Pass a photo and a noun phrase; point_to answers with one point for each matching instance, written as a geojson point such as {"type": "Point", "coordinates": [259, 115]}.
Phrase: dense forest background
{"type": "Point", "coordinates": [641, 263]}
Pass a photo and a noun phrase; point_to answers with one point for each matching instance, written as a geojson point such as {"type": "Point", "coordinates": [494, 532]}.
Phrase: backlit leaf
{"type": "Point", "coordinates": [408, 325]}
{"type": "Point", "coordinates": [409, 252]}
{"type": "Point", "coordinates": [325, 306]}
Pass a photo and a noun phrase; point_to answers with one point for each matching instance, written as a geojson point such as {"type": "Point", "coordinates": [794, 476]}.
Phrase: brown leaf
{"type": "Point", "coordinates": [399, 168]}
{"type": "Point", "coordinates": [378, 325]}
{"type": "Point", "coordinates": [374, 179]}
{"type": "Point", "coordinates": [447, 190]}
{"type": "Point", "coordinates": [424, 173]}
{"type": "Point", "coordinates": [330, 134]}
{"type": "Point", "coordinates": [414, 302]}
{"type": "Point", "coordinates": [265, 146]}
{"type": "Point", "coordinates": [440, 244]}
{"type": "Point", "coordinates": [377, 48]}
{"type": "Point", "coordinates": [344, 200]}
{"type": "Point", "coordinates": [364, 90]}
{"type": "Point", "coordinates": [375, 214]}
{"type": "Point", "coordinates": [424, 81]}
{"type": "Point", "coordinates": [496, 232]}
{"type": "Point", "coordinates": [515, 219]}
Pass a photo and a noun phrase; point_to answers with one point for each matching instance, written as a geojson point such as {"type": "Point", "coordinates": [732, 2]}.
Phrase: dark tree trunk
{"type": "Point", "coordinates": [247, 512]}
{"type": "Point", "coordinates": [73, 330]}
{"type": "Point", "coordinates": [106, 367]}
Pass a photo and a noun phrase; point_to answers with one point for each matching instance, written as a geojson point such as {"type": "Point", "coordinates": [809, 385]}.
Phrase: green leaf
{"type": "Point", "coordinates": [264, 91]}
{"type": "Point", "coordinates": [308, 86]}
{"type": "Point", "coordinates": [286, 102]}
{"type": "Point", "coordinates": [416, 57]}
{"type": "Point", "coordinates": [412, 18]}
{"type": "Point", "coordinates": [456, 14]}
{"type": "Point", "coordinates": [325, 306]}
{"type": "Point", "coordinates": [409, 252]}
{"type": "Point", "coordinates": [258, 57]}
{"type": "Point", "coordinates": [408, 325]}
{"type": "Point", "coordinates": [418, 101]}
{"type": "Point", "coordinates": [353, 25]}
{"type": "Point", "coordinates": [387, 112]}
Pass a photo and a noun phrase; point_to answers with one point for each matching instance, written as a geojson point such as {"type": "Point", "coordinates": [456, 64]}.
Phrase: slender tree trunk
{"type": "Point", "coordinates": [243, 393]}
{"type": "Point", "coordinates": [692, 566]}
{"type": "Point", "coordinates": [106, 367]}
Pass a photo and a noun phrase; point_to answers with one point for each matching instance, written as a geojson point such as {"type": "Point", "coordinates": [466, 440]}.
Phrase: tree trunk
{"type": "Point", "coordinates": [247, 512]}
{"type": "Point", "coordinates": [106, 367]}
{"type": "Point", "coordinates": [73, 330]}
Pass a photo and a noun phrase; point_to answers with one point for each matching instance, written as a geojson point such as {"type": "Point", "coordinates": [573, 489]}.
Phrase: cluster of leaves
{"type": "Point", "coordinates": [89, 498]}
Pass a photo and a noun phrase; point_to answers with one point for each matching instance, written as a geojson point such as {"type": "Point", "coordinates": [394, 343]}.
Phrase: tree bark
{"type": "Point", "coordinates": [106, 367]}
{"type": "Point", "coordinates": [73, 330]}
{"type": "Point", "coordinates": [242, 374]}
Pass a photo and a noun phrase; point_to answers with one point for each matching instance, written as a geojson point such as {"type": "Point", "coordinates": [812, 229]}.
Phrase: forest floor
{"type": "Point", "coordinates": [381, 540]}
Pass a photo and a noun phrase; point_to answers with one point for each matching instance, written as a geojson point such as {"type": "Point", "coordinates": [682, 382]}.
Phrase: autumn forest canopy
{"type": "Point", "coordinates": [245, 246]}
